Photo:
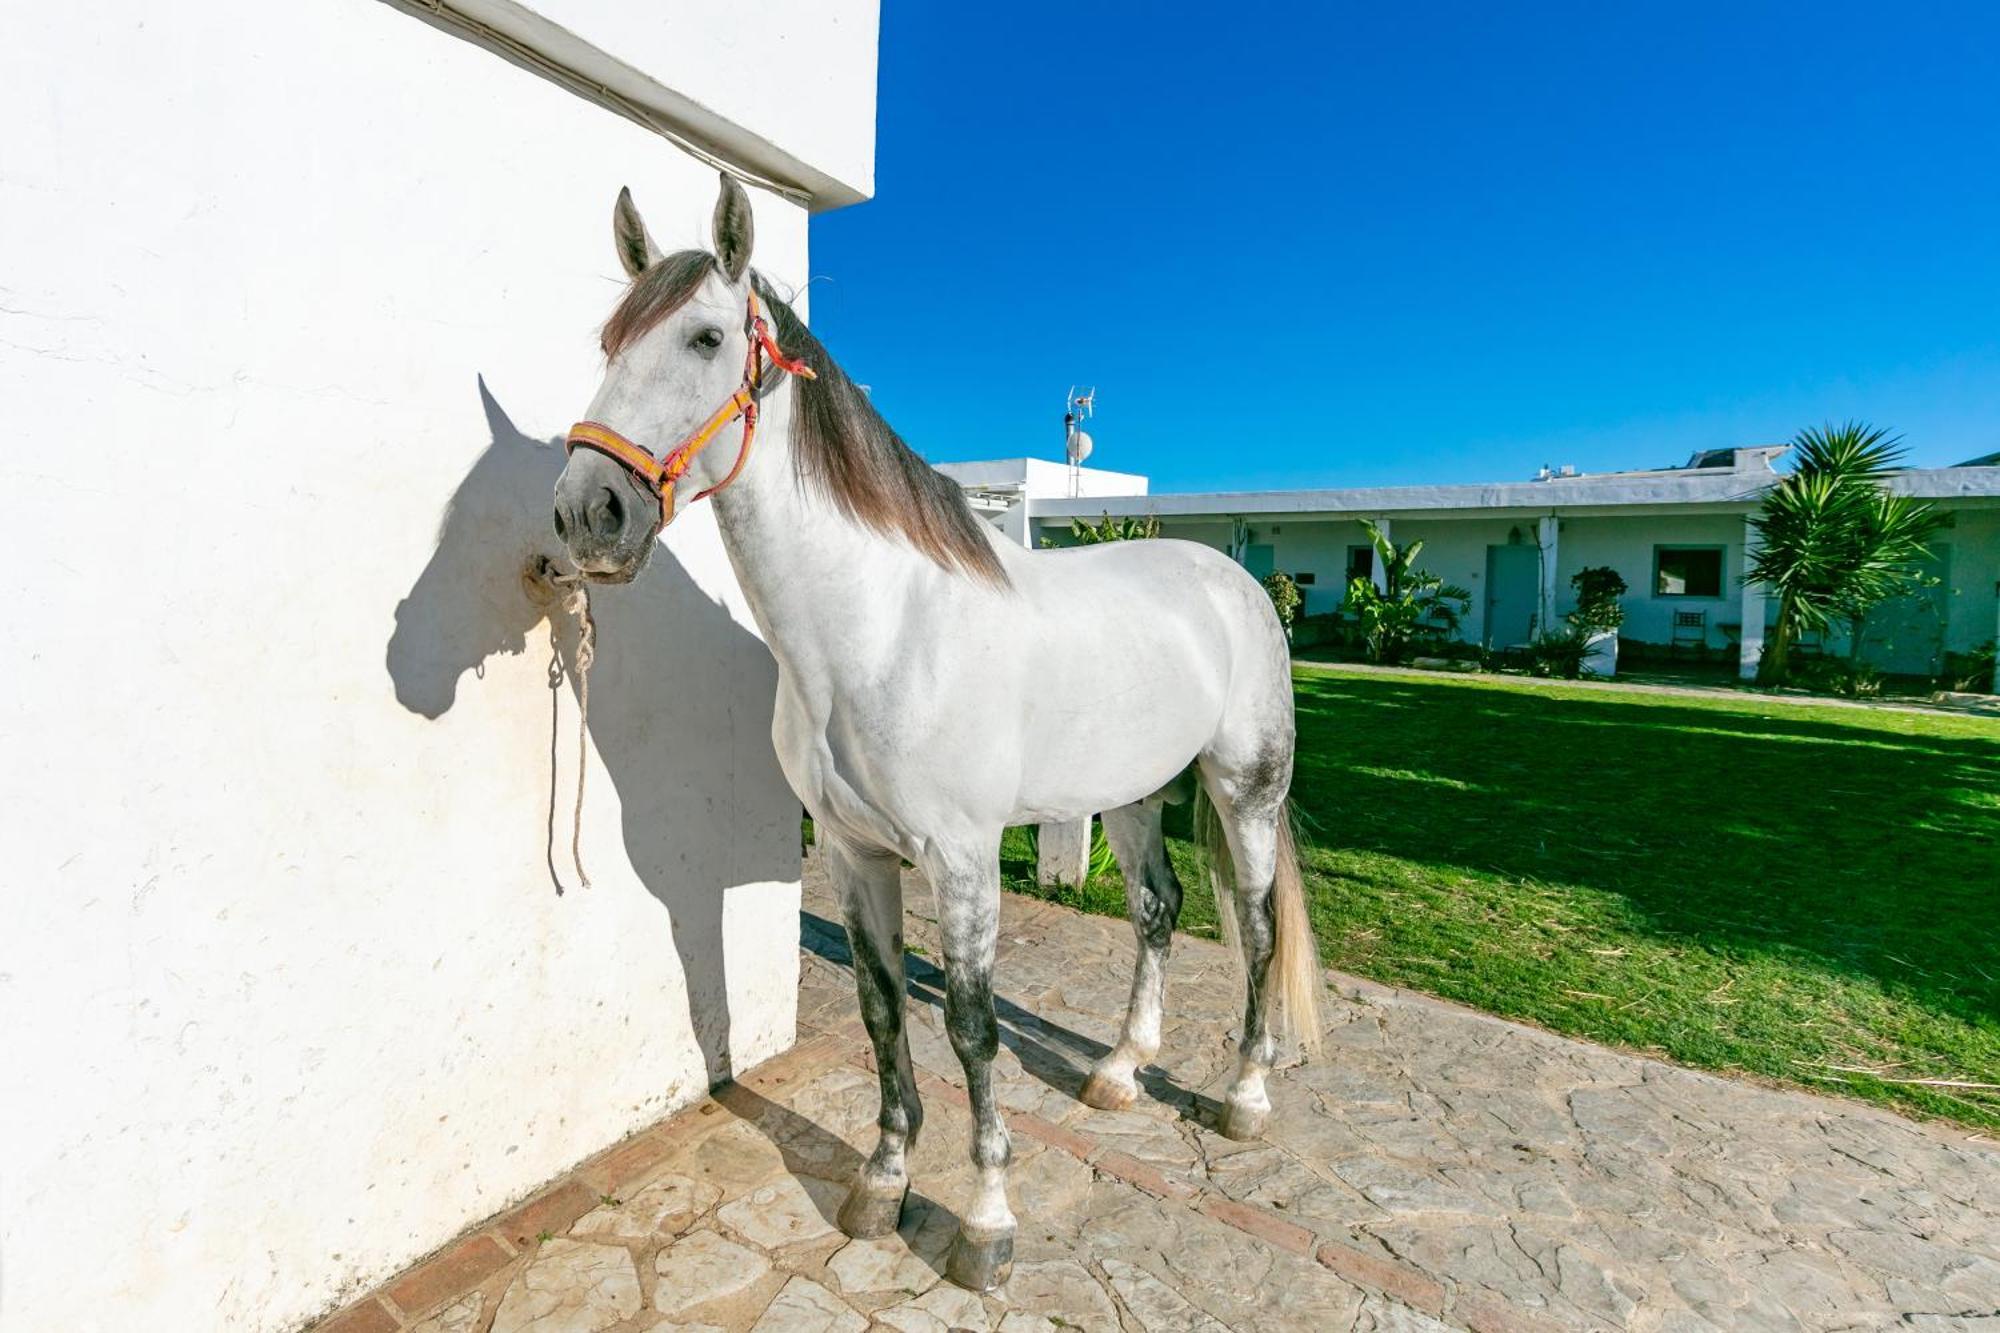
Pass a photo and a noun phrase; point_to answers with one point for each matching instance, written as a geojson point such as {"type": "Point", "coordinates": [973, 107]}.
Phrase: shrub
{"type": "Point", "coordinates": [1323, 627]}
{"type": "Point", "coordinates": [1970, 672]}
{"type": "Point", "coordinates": [1838, 675]}
{"type": "Point", "coordinates": [1285, 597]}
{"type": "Point", "coordinates": [1598, 610]}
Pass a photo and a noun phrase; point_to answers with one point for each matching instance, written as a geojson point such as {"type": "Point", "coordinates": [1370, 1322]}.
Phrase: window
{"type": "Point", "coordinates": [1687, 571]}
{"type": "Point", "coordinates": [1305, 578]}
{"type": "Point", "coordinates": [1360, 562]}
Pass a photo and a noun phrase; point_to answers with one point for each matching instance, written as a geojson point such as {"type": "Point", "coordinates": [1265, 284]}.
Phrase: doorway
{"type": "Point", "coordinates": [1513, 589]}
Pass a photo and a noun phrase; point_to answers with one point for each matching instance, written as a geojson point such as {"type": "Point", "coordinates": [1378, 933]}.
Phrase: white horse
{"type": "Point", "coordinates": [936, 685]}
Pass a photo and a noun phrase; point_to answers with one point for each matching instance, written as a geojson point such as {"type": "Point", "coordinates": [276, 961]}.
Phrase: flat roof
{"type": "Point", "coordinates": [1681, 488]}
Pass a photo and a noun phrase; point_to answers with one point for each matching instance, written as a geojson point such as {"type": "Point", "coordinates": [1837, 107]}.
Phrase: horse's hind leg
{"type": "Point", "coordinates": [968, 893]}
{"type": "Point", "coordinates": [871, 898]}
{"type": "Point", "coordinates": [1249, 803]}
{"type": "Point", "coordinates": [1153, 897]}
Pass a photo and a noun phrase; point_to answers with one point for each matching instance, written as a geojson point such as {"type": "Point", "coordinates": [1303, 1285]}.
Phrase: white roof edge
{"type": "Point", "coordinates": [1947, 483]}
{"type": "Point", "coordinates": [1612, 490]}
{"type": "Point", "coordinates": [591, 73]}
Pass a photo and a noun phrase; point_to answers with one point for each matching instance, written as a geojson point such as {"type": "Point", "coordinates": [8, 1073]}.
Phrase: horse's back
{"type": "Point", "coordinates": [1147, 654]}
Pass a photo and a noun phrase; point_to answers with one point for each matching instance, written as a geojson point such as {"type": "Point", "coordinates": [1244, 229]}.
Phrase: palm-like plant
{"type": "Point", "coordinates": [1832, 540]}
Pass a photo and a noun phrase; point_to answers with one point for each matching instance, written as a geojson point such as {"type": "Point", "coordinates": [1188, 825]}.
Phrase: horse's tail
{"type": "Point", "coordinates": [1292, 984]}
{"type": "Point", "coordinates": [1295, 972]}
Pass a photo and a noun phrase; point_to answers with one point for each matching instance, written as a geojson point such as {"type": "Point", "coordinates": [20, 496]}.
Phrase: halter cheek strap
{"type": "Point", "coordinates": [659, 474]}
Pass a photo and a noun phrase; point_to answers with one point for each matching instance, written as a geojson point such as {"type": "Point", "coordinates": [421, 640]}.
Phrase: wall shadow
{"type": "Point", "coordinates": [680, 703]}
{"type": "Point", "coordinates": [1861, 843]}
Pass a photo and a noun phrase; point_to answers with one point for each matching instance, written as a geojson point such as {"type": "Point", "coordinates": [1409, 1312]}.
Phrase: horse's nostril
{"type": "Point", "coordinates": [562, 528]}
{"type": "Point", "coordinates": [607, 514]}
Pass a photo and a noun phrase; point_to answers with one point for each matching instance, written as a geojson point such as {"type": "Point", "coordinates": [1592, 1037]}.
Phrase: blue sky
{"type": "Point", "coordinates": [1312, 245]}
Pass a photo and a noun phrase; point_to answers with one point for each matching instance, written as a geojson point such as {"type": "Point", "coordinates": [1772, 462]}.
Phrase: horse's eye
{"type": "Point", "coordinates": [708, 339]}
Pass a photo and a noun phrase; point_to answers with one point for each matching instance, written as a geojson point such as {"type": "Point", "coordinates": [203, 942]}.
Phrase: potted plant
{"type": "Point", "coordinates": [1597, 617]}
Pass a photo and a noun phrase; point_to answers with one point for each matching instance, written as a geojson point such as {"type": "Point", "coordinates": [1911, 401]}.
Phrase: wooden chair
{"type": "Point", "coordinates": [1690, 631]}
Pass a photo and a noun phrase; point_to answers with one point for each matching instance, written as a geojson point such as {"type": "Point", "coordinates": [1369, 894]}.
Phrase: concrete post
{"type": "Point", "coordinates": [1064, 853]}
{"type": "Point", "coordinates": [1380, 576]}
{"type": "Point", "coordinates": [1547, 533]}
{"type": "Point", "coordinates": [1754, 605]}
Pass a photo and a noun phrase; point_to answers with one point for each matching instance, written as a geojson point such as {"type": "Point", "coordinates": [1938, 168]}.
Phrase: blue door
{"type": "Point", "coordinates": [1513, 591]}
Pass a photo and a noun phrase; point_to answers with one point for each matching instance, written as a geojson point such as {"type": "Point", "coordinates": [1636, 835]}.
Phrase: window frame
{"type": "Point", "coordinates": [1721, 551]}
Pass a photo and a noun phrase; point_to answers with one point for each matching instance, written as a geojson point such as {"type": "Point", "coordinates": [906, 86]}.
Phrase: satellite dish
{"type": "Point", "coordinates": [1078, 445]}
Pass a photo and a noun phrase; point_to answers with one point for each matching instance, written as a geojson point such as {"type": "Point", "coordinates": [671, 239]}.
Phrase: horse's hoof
{"type": "Point", "coordinates": [1107, 1094]}
{"type": "Point", "coordinates": [1242, 1122]}
{"type": "Point", "coordinates": [867, 1215]}
{"type": "Point", "coordinates": [980, 1261]}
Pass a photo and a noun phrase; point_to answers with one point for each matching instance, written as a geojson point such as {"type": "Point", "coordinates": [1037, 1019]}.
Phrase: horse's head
{"type": "Point", "coordinates": [679, 360]}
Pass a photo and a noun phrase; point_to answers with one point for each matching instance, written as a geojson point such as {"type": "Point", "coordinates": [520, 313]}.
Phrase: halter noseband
{"type": "Point", "coordinates": [660, 474]}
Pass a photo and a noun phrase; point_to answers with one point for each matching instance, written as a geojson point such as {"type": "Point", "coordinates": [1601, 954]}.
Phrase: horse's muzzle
{"type": "Point", "coordinates": [601, 521]}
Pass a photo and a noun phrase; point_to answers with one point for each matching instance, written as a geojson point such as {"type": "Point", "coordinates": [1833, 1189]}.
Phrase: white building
{"type": "Point", "coordinates": [1677, 536]}
{"type": "Point", "coordinates": [293, 301]}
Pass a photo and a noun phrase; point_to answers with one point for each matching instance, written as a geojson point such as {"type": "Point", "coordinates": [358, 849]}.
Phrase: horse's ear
{"type": "Point", "coordinates": [635, 248]}
{"type": "Point", "coordinates": [733, 229]}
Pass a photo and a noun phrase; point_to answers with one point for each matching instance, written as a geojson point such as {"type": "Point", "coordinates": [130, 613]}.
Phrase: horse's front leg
{"type": "Point", "coordinates": [870, 886]}
{"type": "Point", "coordinates": [968, 890]}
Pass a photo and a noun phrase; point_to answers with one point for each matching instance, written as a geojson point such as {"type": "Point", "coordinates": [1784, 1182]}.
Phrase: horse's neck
{"type": "Point", "coordinates": [823, 589]}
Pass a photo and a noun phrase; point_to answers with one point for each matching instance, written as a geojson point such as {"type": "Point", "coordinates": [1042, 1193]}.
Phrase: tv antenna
{"type": "Point", "coordinates": [1078, 407]}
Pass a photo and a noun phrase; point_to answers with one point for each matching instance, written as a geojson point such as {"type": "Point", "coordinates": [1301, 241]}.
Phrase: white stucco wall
{"type": "Point", "coordinates": [783, 87]}
{"type": "Point", "coordinates": [290, 997]}
{"type": "Point", "coordinates": [1627, 545]}
{"type": "Point", "coordinates": [1973, 581]}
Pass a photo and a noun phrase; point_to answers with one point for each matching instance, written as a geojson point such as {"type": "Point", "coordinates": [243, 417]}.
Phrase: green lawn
{"type": "Point", "coordinates": [1730, 882]}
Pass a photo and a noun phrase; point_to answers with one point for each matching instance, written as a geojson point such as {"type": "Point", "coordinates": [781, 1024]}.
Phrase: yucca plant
{"type": "Point", "coordinates": [1832, 540]}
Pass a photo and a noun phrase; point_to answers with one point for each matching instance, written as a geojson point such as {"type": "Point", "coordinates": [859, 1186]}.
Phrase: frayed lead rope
{"type": "Point", "coordinates": [571, 595]}
{"type": "Point", "coordinates": [577, 603]}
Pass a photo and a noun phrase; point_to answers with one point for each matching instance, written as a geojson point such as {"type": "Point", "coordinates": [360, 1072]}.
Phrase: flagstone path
{"type": "Point", "coordinates": [1438, 1168]}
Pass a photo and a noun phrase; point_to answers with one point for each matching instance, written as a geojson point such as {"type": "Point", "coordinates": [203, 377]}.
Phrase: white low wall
{"type": "Point", "coordinates": [292, 299]}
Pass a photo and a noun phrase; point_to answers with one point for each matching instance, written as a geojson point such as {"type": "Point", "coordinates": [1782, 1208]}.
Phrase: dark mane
{"type": "Point", "coordinates": [841, 446]}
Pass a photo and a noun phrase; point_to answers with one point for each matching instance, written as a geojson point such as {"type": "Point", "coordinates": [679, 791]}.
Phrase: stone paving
{"type": "Point", "coordinates": [1438, 1168]}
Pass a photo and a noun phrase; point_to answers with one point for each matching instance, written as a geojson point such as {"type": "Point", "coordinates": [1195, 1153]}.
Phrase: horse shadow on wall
{"type": "Point", "coordinates": [680, 703]}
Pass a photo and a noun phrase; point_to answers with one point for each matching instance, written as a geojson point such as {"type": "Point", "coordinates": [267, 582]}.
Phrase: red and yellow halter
{"type": "Point", "coordinates": [660, 474]}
